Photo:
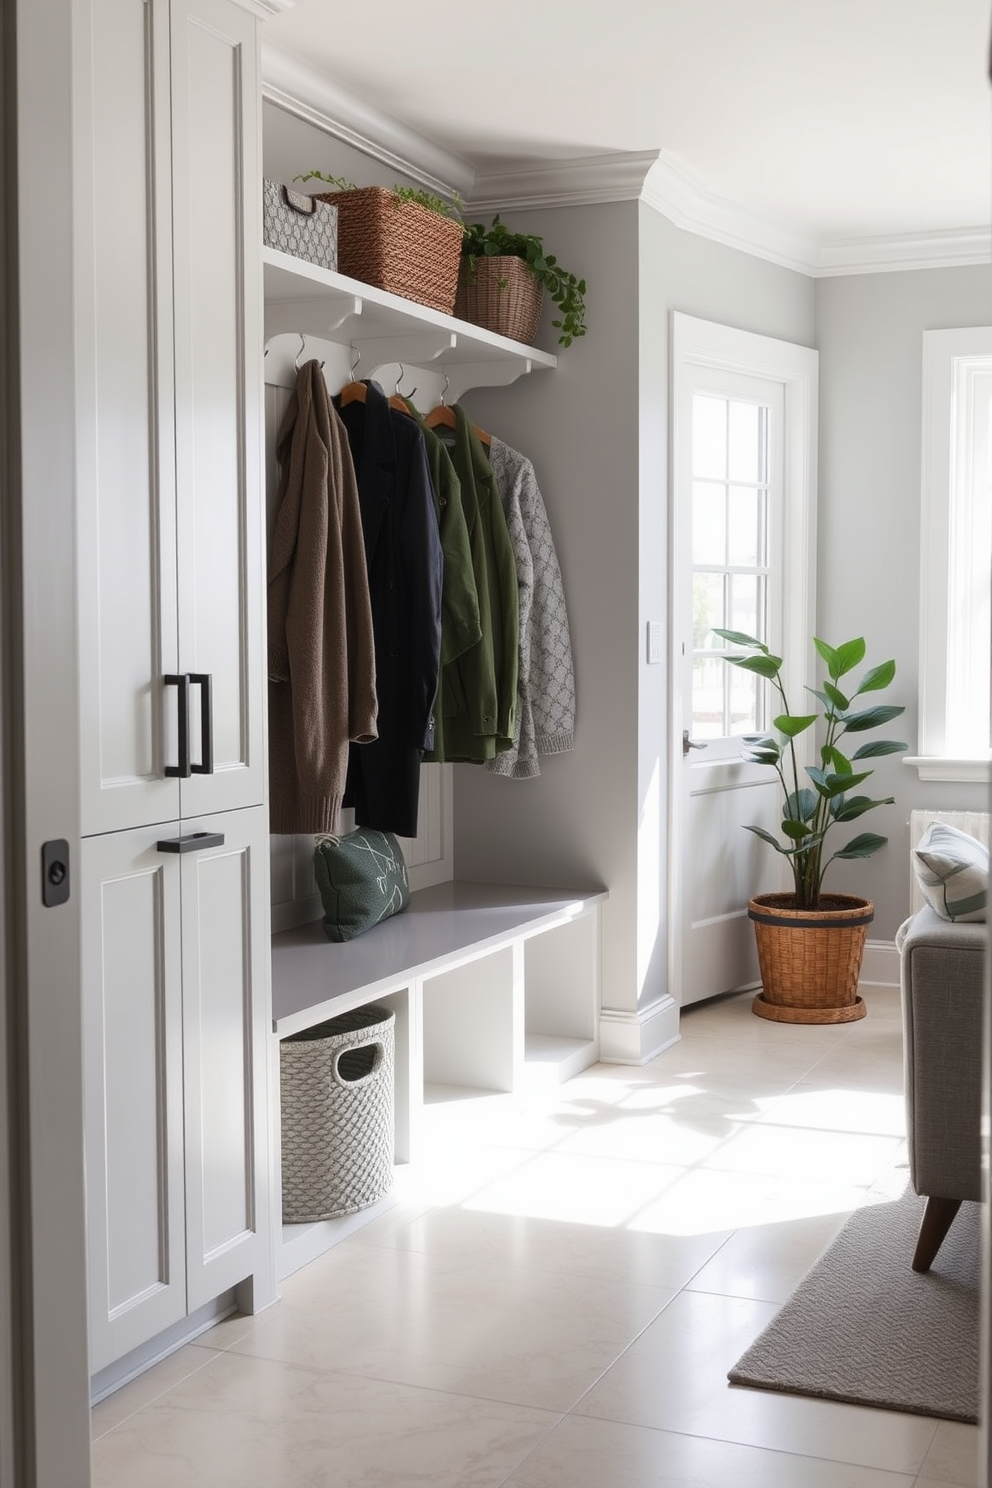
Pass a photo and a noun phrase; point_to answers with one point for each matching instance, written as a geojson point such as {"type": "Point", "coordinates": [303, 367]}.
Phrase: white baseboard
{"type": "Point", "coordinates": [635, 1037]}
{"type": "Point", "coordinates": [880, 964]}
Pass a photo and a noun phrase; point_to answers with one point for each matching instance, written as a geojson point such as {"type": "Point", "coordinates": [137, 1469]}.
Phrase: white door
{"type": "Point", "coordinates": [226, 1036]}
{"type": "Point", "coordinates": [133, 1088]}
{"type": "Point", "coordinates": [742, 520]}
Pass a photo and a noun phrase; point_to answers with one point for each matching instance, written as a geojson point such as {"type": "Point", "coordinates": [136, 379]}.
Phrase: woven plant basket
{"type": "Point", "coordinates": [398, 245]}
{"type": "Point", "coordinates": [501, 294]}
{"type": "Point", "coordinates": [337, 1115]}
{"type": "Point", "coordinates": [810, 958]}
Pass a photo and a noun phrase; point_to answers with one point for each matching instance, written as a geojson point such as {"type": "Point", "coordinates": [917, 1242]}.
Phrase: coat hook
{"type": "Point", "coordinates": [355, 361]}
{"type": "Point", "coordinates": [444, 390]}
{"type": "Point", "coordinates": [303, 347]}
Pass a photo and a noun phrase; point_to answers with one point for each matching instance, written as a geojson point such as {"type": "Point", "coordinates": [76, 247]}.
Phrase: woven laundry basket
{"type": "Point", "coordinates": [501, 294]}
{"type": "Point", "coordinates": [337, 1115]}
{"type": "Point", "coordinates": [398, 245]}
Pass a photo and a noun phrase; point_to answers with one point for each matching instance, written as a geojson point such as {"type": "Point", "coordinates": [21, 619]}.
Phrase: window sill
{"type": "Point", "coordinates": [939, 767]}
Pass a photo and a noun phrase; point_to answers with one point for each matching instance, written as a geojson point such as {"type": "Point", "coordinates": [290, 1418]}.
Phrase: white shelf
{"type": "Point", "coordinates": [385, 328]}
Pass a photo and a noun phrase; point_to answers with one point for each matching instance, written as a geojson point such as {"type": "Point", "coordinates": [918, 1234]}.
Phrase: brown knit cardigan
{"type": "Point", "coordinates": [321, 654]}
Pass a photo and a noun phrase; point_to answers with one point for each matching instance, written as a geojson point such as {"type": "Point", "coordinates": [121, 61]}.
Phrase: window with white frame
{"type": "Point", "coordinates": [956, 556]}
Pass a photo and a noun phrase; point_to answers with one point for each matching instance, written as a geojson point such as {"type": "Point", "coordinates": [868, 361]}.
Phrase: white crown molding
{"type": "Point", "coordinates": [563, 183]}
{"type": "Point", "coordinates": [685, 199]}
{"type": "Point", "coordinates": [265, 9]}
{"type": "Point", "coordinates": [933, 250]}
{"type": "Point", "coordinates": [295, 86]}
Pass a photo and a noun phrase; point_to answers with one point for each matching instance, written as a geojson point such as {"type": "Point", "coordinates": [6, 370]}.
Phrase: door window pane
{"type": "Point", "coordinates": [709, 436]}
{"type": "Point", "coordinates": [707, 610]}
{"type": "Point", "coordinates": [743, 702]}
{"type": "Point", "coordinates": [746, 442]}
{"type": "Point", "coordinates": [746, 527]}
{"type": "Point", "coordinates": [708, 706]}
{"type": "Point", "coordinates": [746, 609]}
{"type": "Point", "coordinates": [709, 523]}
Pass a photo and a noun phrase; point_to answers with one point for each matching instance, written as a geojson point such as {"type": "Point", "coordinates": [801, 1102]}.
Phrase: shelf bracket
{"type": "Point", "coordinates": [413, 351]}
{"type": "Point", "coordinates": [316, 317]}
{"type": "Point", "coordinates": [465, 375]}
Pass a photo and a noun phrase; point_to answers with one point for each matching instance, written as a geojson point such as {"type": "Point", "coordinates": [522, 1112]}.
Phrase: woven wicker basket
{"type": "Point", "coordinates": [810, 958]}
{"type": "Point", "coordinates": [501, 294]}
{"type": "Point", "coordinates": [337, 1115]}
{"type": "Point", "coordinates": [398, 245]}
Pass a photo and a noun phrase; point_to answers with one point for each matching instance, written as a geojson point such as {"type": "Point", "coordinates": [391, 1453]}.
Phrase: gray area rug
{"type": "Point", "coordinates": [864, 1328]}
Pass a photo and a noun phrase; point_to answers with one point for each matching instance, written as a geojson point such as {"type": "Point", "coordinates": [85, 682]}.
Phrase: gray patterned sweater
{"type": "Point", "coordinates": [546, 680]}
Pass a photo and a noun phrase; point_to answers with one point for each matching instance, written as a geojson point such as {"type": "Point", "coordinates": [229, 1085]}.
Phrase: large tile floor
{"type": "Point", "coordinates": [556, 1298]}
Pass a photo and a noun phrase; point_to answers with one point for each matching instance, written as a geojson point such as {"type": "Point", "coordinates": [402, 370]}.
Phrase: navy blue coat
{"type": "Point", "coordinates": [404, 558]}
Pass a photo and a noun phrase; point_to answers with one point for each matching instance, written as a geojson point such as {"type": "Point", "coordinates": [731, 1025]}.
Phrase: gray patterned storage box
{"type": "Point", "coordinates": [337, 1115]}
{"type": "Point", "coordinates": [299, 224]}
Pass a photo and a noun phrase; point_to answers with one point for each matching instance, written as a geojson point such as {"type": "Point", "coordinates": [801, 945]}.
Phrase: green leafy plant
{"type": "Point", "coordinates": [426, 199]}
{"type": "Point", "coordinates": [565, 289]}
{"type": "Point", "coordinates": [809, 812]}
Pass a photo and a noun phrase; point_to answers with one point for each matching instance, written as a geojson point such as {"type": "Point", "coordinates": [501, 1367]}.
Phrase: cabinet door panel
{"type": "Point", "coordinates": [133, 1091]}
{"type": "Point", "coordinates": [127, 602]}
{"type": "Point", "coordinates": [226, 1032]}
{"type": "Point", "coordinates": [218, 391]}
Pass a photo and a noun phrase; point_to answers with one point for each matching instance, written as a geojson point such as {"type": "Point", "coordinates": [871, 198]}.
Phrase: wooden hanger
{"type": "Point", "coordinates": [443, 416]}
{"type": "Point", "coordinates": [352, 392]}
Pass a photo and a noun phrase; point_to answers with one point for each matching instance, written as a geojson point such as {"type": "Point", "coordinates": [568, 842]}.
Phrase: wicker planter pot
{"type": "Point", "coordinates": [398, 245]}
{"type": "Point", "coordinates": [502, 295]}
{"type": "Point", "coordinates": [810, 958]}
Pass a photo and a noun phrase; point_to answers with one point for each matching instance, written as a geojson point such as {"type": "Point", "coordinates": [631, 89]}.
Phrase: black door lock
{"type": "Point", "coordinates": [55, 872]}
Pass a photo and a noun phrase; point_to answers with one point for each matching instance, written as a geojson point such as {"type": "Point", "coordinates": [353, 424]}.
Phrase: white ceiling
{"type": "Point", "coordinates": [843, 119]}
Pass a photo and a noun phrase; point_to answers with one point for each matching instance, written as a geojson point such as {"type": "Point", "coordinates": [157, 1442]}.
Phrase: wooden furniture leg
{"type": "Point", "coordinates": [937, 1219]}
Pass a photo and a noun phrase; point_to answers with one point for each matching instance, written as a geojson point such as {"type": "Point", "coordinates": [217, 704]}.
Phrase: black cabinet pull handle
{"type": "Point", "coordinates": [193, 842]}
{"type": "Point", "coordinates": [204, 681]}
{"type": "Point", "coordinates": [180, 681]}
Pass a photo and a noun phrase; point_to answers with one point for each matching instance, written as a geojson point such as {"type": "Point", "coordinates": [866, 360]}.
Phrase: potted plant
{"type": "Point", "coordinates": [502, 280]}
{"type": "Point", "coordinates": [403, 240]}
{"type": "Point", "coordinates": [810, 943]}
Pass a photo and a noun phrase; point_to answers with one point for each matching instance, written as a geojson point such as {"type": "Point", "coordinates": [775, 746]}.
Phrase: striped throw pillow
{"type": "Point", "coordinates": [952, 870]}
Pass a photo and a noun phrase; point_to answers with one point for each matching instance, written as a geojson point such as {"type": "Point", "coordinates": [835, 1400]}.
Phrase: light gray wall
{"type": "Point", "coordinates": [869, 330]}
{"type": "Point", "coordinates": [576, 823]}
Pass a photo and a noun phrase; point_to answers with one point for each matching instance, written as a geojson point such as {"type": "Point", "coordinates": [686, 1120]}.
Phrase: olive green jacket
{"type": "Point", "coordinates": [479, 688]}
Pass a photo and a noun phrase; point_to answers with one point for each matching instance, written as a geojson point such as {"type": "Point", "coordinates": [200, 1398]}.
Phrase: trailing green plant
{"type": "Point", "coordinates": [568, 292]}
{"type": "Point", "coordinates": [808, 814]}
{"type": "Point", "coordinates": [426, 199]}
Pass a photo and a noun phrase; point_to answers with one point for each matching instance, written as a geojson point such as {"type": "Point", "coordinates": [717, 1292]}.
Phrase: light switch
{"type": "Point", "coordinates": [656, 641]}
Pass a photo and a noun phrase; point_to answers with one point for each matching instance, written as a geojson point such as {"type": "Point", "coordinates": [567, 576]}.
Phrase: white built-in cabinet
{"type": "Point", "coordinates": [174, 859]}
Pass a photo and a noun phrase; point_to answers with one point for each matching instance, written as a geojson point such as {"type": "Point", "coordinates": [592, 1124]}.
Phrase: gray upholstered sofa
{"type": "Point", "coordinates": [942, 976]}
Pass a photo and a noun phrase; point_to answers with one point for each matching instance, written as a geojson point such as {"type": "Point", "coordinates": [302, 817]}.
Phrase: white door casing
{"type": "Point", "coordinates": [715, 865]}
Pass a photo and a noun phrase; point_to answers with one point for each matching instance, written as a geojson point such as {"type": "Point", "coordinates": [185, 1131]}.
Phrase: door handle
{"type": "Point", "coordinates": [687, 743]}
{"type": "Point", "coordinates": [192, 842]}
{"type": "Point", "coordinates": [204, 681]}
{"type": "Point", "coordinates": [180, 681]}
